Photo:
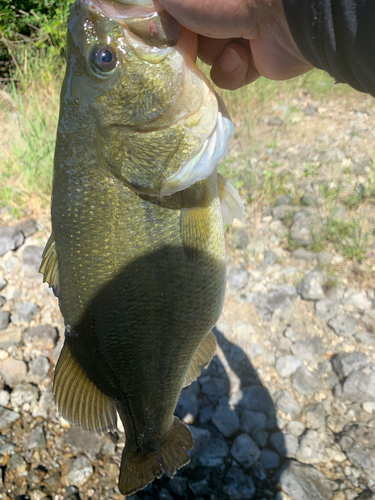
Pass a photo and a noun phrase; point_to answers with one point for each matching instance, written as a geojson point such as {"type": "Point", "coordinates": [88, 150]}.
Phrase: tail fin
{"type": "Point", "coordinates": [138, 470]}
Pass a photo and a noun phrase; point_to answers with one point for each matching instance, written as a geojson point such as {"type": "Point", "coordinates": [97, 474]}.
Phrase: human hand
{"type": "Point", "coordinates": [241, 39]}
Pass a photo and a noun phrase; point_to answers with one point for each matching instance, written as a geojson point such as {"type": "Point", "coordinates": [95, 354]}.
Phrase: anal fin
{"type": "Point", "coordinates": [49, 267]}
{"type": "Point", "coordinates": [79, 400]}
{"type": "Point", "coordinates": [205, 352]}
{"type": "Point", "coordinates": [231, 203]}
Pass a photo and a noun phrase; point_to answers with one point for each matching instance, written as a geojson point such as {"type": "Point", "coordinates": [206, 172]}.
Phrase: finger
{"type": "Point", "coordinates": [210, 49]}
{"type": "Point", "coordinates": [234, 67]}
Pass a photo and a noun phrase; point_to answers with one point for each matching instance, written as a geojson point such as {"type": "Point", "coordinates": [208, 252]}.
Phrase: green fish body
{"type": "Point", "coordinates": [136, 255]}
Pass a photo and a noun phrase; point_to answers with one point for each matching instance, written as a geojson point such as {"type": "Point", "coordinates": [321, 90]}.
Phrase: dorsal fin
{"type": "Point", "coordinates": [205, 352]}
{"type": "Point", "coordinates": [231, 203]}
{"type": "Point", "coordinates": [79, 400]}
{"type": "Point", "coordinates": [49, 267]}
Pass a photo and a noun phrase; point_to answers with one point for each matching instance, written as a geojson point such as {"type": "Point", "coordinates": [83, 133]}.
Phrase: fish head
{"type": "Point", "coordinates": [159, 125]}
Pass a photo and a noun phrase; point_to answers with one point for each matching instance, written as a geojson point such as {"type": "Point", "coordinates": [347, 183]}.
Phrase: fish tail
{"type": "Point", "coordinates": [138, 470]}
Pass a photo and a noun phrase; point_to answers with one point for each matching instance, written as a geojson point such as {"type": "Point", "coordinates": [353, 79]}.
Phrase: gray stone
{"type": "Point", "coordinates": [284, 443]}
{"type": "Point", "coordinates": [305, 482]}
{"type": "Point", "coordinates": [240, 238]}
{"type": "Point", "coordinates": [80, 441]}
{"type": "Point", "coordinates": [315, 416]}
{"type": "Point", "coordinates": [238, 485]}
{"type": "Point", "coordinates": [335, 294]}
{"type": "Point", "coordinates": [286, 365]}
{"type": "Point", "coordinates": [296, 331]}
{"type": "Point", "coordinates": [32, 257]}
{"type": "Point", "coordinates": [36, 439]}
{"type": "Point", "coordinates": [4, 397]}
{"type": "Point", "coordinates": [325, 309]}
{"type": "Point", "coordinates": [206, 414]}
{"type": "Point", "coordinates": [358, 387]}
{"type": "Point", "coordinates": [311, 448]}
{"type": "Point", "coordinates": [25, 313]}
{"type": "Point", "coordinates": [10, 239]}
{"type": "Point", "coordinates": [336, 423]}
{"type": "Point", "coordinates": [3, 283]}
{"type": "Point", "coordinates": [305, 227]}
{"type": "Point", "coordinates": [226, 420]}
{"type": "Point", "coordinates": [215, 388]}
{"type": "Point", "coordinates": [179, 485]}
{"type": "Point", "coordinates": [39, 370]}
{"type": "Point", "coordinates": [286, 199]}
{"type": "Point", "coordinates": [80, 471]}
{"type": "Point", "coordinates": [41, 337]}
{"type": "Point", "coordinates": [201, 438]}
{"type": "Point", "coordinates": [260, 437]}
{"type": "Point", "coordinates": [311, 286]}
{"type": "Point", "coordinates": [7, 417]}
{"type": "Point", "coordinates": [303, 254]}
{"type": "Point", "coordinates": [287, 404]}
{"type": "Point", "coordinates": [3, 301]}
{"type": "Point", "coordinates": [308, 349]}
{"type": "Point", "coordinates": [281, 212]}
{"type": "Point", "coordinates": [269, 459]}
{"type": "Point", "coordinates": [4, 319]}
{"type": "Point", "coordinates": [324, 258]}
{"type": "Point", "coordinates": [296, 428]}
{"type": "Point", "coordinates": [344, 363]}
{"type": "Point", "coordinates": [252, 421]}
{"type": "Point", "coordinates": [13, 371]}
{"type": "Point", "coordinates": [10, 337]}
{"type": "Point", "coordinates": [306, 382]}
{"type": "Point", "coordinates": [214, 452]}
{"type": "Point", "coordinates": [359, 446]}
{"type": "Point", "coordinates": [46, 407]}
{"type": "Point", "coordinates": [366, 495]}
{"type": "Point", "coordinates": [364, 338]}
{"type": "Point", "coordinates": [24, 393]}
{"type": "Point", "coordinates": [255, 398]}
{"type": "Point", "coordinates": [342, 325]}
{"type": "Point", "coordinates": [269, 259]}
{"type": "Point", "coordinates": [187, 406]}
{"type": "Point", "coordinates": [28, 227]}
{"type": "Point", "coordinates": [238, 278]}
{"type": "Point", "coordinates": [245, 451]}
{"type": "Point", "coordinates": [359, 300]}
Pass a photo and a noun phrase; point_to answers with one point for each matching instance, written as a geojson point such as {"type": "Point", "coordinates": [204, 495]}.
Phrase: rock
{"type": "Point", "coordinates": [311, 286]}
{"type": "Point", "coordinates": [309, 349]}
{"type": "Point", "coordinates": [286, 365]}
{"type": "Point", "coordinates": [269, 459]}
{"type": "Point", "coordinates": [80, 441]}
{"type": "Point", "coordinates": [359, 446]}
{"type": "Point", "coordinates": [3, 283]}
{"type": "Point", "coordinates": [366, 495]}
{"type": "Point", "coordinates": [296, 331]}
{"type": "Point", "coordinates": [36, 439]}
{"type": "Point", "coordinates": [240, 238]}
{"type": "Point", "coordinates": [24, 393]}
{"type": "Point", "coordinates": [269, 259]}
{"type": "Point", "coordinates": [206, 414]}
{"type": "Point", "coordinates": [281, 212]}
{"type": "Point", "coordinates": [179, 485]}
{"type": "Point", "coordinates": [245, 451]}
{"type": "Point", "coordinates": [32, 257]}
{"type": "Point", "coordinates": [41, 337]}
{"type": "Point", "coordinates": [39, 370]}
{"type": "Point", "coordinates": [10, 239]}
{"type": "Point", "coordinates": [201, 438]}
{"type": "Point", "coordinates": [359, 300]}
{"type": "Point", "coordinates": [7, 417]}
{"type": "Point", "coordinates": [305, 482]}
{"type": "Point", "coordinates": [296, 428]}
{"type": "Point", "coordinates": [238, 278]}
{"type": "Point", "coordinates": [214, 452]}
{"type": "Point", "coordinates": [286, 199]}
{"type": "Point", "coordinates": [324, 258]}
{"type": "Point", "coordinates": [13, 370]}
{"type": "Point", "coordinates": [252, 421]}
{"type": "Point", "coordinates": [315, 416]}
{"type": "Point", "coordinates": [226, 420]}
{"type": "Point", "coordinates": [335, 294]}
{"type": "Point", "coordinates": [260, 437]}
{"type": "Point", "coordinates": [80, 471]}
{"type": "Point", "coordinates": [284, 443]}
{"type": "Point", "coordinates": [187, 406]}
{"type": "Point", "coordinates": [344, 364]}
{"type": "Point", "coordinates": [325, 309]}
{"type": "Point", "coordinates": [358, 387]}
{"type": "Point", "coordinates": [342, 325]}
{"type": "Point", "coordinates": [287, 404]}
{"type": "Point", "coordinates": [4, 397]}
{"type": "Point", "coordinates": [28, 227]}
{"type": "Point", "coordinates": [10, 337]}
{"type": "Point", "coordinates": [364, 338]}
{"type": "Point", "coordinates": [237, 485]}
{"type": "Point", "coordinates": [46, 406]}
{"type": "Point", "coordinates": [275, 121]}
{"type": "Point", "coordinates": [303, 254]}
{"type": "Point", "coordinates": [306, 382]}
{"type": "Point", "coordinates": [254, 398]}
{"type": "Point", "coordinates": [4, 319]}
{"type": "Point", "coordinates": [305, 227]}
{"type": "Point", "coordinates": [215, 387]}
{"type": "Point", "coordinates": [336, 423]}
{"type": "Point", "coordinates": [25, 313]}
{"type": "Point", "coordinates": [3, 301]}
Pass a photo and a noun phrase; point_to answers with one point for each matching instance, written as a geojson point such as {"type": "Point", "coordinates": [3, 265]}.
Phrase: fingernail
{"type": "Point", "coordinates": [231, 61]}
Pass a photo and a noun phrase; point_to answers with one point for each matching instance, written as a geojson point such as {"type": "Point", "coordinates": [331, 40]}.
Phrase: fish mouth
{"type": "Point", "coordinates": [125, 9]}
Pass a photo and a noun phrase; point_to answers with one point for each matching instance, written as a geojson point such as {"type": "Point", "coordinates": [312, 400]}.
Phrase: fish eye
{"type": "Point", "coordinates": [104, 57]}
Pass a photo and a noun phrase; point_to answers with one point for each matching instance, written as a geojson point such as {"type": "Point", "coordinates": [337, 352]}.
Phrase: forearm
{"type": "Point", "coordinates": [337, 36]}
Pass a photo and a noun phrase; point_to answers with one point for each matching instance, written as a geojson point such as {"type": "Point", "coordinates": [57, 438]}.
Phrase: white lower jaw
{"type": "Point", "coordinates": [124, 9]}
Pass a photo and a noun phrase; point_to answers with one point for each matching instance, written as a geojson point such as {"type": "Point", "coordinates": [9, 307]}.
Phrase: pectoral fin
{"type": "Point", "coordinates": [195, 221]}
{"type": "Point", "coordinates": [49, 267]}
{"type": "Point", "coordinates": [79, 400]}
{"type": "Point", "coordinates": [231, 203]}
{"type": "Point", "coordinates": [206, 351]}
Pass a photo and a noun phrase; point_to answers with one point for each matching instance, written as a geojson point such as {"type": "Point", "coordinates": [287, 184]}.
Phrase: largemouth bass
{"type": "Point", "coordinates": [136, 256]}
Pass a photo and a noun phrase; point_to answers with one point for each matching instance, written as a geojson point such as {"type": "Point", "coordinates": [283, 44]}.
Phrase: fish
{"type": "Point", "coordinates": [136, 255]}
